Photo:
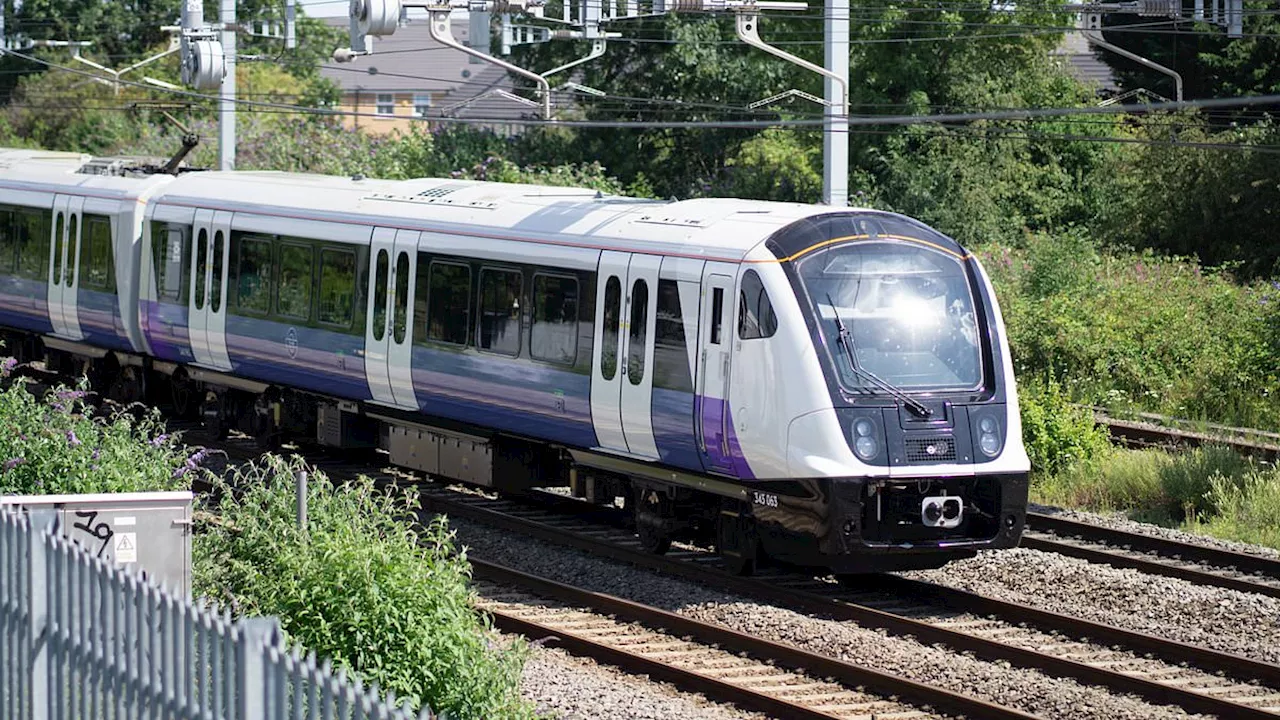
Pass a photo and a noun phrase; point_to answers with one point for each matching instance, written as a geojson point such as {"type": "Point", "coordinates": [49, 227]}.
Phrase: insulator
{"type": "Point", "coordinates": [1160, 8]}
{"type": "Point", "coordinates": [375, 17]}
{"type": "Point", "coordinates": [204, 65]}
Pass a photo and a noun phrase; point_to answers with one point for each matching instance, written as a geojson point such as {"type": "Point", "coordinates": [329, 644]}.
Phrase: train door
{"type": "Point", "coordinates": [400, 309]}
{"type": "Point", "coordinates": [715, 332]}
{"type": "Point", "coordinates": [216, 309]}
{"type": "Point", "coordinates": [606, 389]}
{"type": "Point", "coordinates": [198, 289]}
{"type": "Point", "coordinates": [64, 266]}
{"type": "Point", "coordinates": [376, 316]}
{"type": "Point", "coordinates": [622, 372]}
{"type": "Point", "coordinates": [207, 307]}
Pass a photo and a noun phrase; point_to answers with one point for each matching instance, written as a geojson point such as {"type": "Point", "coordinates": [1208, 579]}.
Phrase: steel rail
{"type": "Point", "coordinates": [1143, 434]}
{"type": "Point", "coordinates": [1218, 557]}
{"type": "Point", "coordinates": [925, 632]}
{"type": "Point", "coordinates": [1151, 567]}
{"type": "Point", "coordinates": [788, 656]}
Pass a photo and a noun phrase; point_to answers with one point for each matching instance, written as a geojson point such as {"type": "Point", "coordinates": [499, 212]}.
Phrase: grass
{"type": "Point", "coordinates": [1211, 491]}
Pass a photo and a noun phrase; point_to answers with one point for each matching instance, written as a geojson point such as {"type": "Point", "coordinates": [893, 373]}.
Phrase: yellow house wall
{"type": "Point", "coordinates": [363, 105]}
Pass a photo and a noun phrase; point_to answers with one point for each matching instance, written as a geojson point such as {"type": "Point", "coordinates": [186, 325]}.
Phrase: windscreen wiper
{"type": "Point", "coordinates": [846, 340]}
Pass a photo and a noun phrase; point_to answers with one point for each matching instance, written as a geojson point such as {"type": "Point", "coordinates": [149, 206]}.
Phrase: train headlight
{"type": "Point", "coordinates": [989, 436]}
{"type": "Point", "coordinates": [865, 445]}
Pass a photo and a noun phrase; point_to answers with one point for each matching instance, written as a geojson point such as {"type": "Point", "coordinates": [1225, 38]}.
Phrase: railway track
{"type": "Point", "coordinates": [1200, 564]}
{"type": "Point", "coordinates": [750, 672]}
{"type": "Point", "coordinates": [1194, 678]}
{"type": "Point", "coordinates": [1151, 430]}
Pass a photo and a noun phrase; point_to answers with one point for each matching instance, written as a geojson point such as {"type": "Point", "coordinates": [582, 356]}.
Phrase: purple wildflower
{"type": "Point", "coordinates": [198, 457]}
{"type": "Point", "coordinates": [7, 366]}
{"type": "Point", "coordinates": [72, 440]}
{"type": "Point", "coordinates": [159, 440]}
{"type": "Point", "coordinates": [96, 453]}
{"type": "Point", "coordinates": [13, 463]}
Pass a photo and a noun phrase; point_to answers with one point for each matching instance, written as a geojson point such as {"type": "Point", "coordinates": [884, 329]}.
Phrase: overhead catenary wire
{"type": "Point", "coordinates": [884, 120]}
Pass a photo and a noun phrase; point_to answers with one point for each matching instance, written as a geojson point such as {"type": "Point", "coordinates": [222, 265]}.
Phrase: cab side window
{"type": "Point", "coordinates": [756, 318]}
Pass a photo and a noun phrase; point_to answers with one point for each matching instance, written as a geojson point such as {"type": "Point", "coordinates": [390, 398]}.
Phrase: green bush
{"type": "Point", "coordinates": [54, 445]}
{"type": "Point", "coordinates": [1246, 509]}
{"type": "Point", "coordinates": [1056, 433]}
{"type": "Point", "coordinates": [1153, 485]}
{"type": "Point", "coordinates": [1132, 330]}
{"type": "Point", "coordinates": [360, 586]}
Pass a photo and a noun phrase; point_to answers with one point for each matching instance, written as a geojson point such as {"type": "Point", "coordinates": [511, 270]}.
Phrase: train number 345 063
{"type": "Point", "coordinates": [765, 499]}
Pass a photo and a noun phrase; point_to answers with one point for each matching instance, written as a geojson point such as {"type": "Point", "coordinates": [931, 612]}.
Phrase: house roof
{"type": "Point", "coordinates": [411, 61]}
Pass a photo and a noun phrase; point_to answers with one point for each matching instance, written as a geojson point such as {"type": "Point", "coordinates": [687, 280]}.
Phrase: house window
{"type": "Point", "coordinates": [386, 104]}
{"type": "Point", "coordinates": [421, 104]}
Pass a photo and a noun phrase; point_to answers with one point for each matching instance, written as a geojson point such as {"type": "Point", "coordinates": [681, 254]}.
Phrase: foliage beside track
{"type": "Point", "coordinates": [359, 586]}
{"type": "Point", "coordinates": [1209, 490]}
{"type": "Point", "coordinates": [1137, 331]}
{"type": "Point", "coordinates": [56, 445]}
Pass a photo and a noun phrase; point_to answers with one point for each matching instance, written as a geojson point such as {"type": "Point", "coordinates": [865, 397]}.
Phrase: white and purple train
{"type": "Point", "coordinates": [824, 387]}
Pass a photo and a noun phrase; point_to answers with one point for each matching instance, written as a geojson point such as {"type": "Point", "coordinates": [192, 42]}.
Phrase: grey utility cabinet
{"type": "Point", "coordinates": [146, 532]}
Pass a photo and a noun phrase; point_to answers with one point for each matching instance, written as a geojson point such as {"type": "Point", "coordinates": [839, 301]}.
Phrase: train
{"type": "Point", "coordinates": [809, 385]}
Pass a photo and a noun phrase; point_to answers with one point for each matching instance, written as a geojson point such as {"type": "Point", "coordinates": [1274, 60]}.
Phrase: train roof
{"type": "Point", "coordinates": [708, 228]}
{"type": "Point", "coordinates": [711, 228]}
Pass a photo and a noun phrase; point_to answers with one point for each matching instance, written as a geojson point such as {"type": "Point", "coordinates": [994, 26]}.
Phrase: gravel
{"type": "Point", "coordinates": [1029, 690]}
{"type": "Point", "coordinates": [1118, 521]}
{"type": "Point", "coordinates": [1214, 617]}
{"type": "Point", "coordinates": [571, 687]}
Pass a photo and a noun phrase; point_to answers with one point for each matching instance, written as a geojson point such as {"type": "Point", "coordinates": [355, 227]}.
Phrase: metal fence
{"type": "Point", "coordinates": [81, 640]}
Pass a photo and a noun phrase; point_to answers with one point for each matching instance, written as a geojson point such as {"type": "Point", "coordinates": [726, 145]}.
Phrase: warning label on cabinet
{"type": "Point", "coordinates": [126, 547]}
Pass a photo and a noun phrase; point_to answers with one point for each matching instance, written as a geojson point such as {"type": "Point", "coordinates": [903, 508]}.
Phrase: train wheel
{"type": "Point", "coordinates": [212, 416]}
{"type": "Point", "coordinates": [265, 432]}
{"type": "Point", "coordinates": [182, 394]}
{"type": "Point", "coordinates": [126, 386]}
{"type": "Point", "coordinates": [736, 540]}
{"type": "Point", "coordinates": [652, 522]}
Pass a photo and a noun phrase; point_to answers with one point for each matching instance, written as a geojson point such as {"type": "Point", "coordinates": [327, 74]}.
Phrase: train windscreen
{"type": "Point", "coordinates": [904, 311]}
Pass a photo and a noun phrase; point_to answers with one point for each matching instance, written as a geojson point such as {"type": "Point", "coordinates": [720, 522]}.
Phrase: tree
{"type": "Point", "coordinates": [1211, 64]}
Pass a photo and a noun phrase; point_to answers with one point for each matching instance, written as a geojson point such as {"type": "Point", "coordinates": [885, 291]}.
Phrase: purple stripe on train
{"type": "Point", "coordinates": [723, 453]}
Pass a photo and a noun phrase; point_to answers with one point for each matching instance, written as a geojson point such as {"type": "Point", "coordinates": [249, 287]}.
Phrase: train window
{"type": "Point", "coordinates": [296, 278]}
{"type": "Point", "coordinates": [717, 314]}
{"type": "Point", "coordinates": [756, 318]}
{"type": "Point", "coordinates": [612, 318]}
{"type": "Point", "coordinates": [400, 318]}
{"type": "Point", "coordinates": [639, 331]}
{"type": "Point", "coordinates": [59, 227]}
{"type": "Point", "coordinates": [449, 303]}
{"type": "Point", "coordinates": [31, 232]}
{"type": "Point", "coordinates": [73, 247]}
{"type": "Point", "coordinates": [554, 334]}
{"type": "Point", "coordinates": [254, 271]}
{"type": "Point", "coordinates": [500, 292]}
{"type": "Point", "coordinates": [171, 247]}
{"type": "Point", "coordinates": [337, 287]}
{"type": "Point", "coordinates": [8, 241]}
{"type": "Point", "coordinates": [97, 253]}
{"type": "Point", "coordinates": [670, 351]}
{"type": "Point", "coordinates": [215, 287]}
{"type": "Point", "coordinates": [380, 297]}
{"type": "Point", "coordinates": [202, 263]}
